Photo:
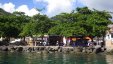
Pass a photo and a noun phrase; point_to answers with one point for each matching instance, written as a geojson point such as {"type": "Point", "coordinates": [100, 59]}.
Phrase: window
{"type": "Point", "coordinates": [111, 35]}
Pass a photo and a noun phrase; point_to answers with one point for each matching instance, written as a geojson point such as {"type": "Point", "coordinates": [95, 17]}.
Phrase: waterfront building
{"type": "Point", "coordinates": [54, 40]}
{"type": "Point", "coordinates": [109, 38]}
{"type": "Point", "coordinates": [79, 40]}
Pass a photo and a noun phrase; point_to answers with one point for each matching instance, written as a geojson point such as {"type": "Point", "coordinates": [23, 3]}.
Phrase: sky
{"type": "Point", "coordinates": [53, 7]}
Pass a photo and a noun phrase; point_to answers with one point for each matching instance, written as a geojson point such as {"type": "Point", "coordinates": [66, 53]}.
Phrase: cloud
{"type": "Point", "coordinates": [0, 5]}
{"type": "Point", "coordinates": [55, 7]}
{"type": "Point", "coordinates": [10, 7]}
{"type": "Point", "coordinates": [26, 10]}
{"type": "Point", "coordinates": [99, 4]}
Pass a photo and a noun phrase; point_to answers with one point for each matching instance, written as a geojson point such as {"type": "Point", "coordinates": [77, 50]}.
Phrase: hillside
{"type": "Point", "coordinates": [2, 12]}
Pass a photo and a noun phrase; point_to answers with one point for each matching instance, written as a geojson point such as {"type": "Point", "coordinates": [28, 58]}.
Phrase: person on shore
{"type": "Point", "coordinates": [44, 43]}
{"type": "Point", "coordinates": [57, 43]}
{"type": "Point", "coordinates": [90, 43]}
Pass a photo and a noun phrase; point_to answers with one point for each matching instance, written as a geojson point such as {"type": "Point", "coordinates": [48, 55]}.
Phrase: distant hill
{"type": "Point", "coordinates": [2, 12]}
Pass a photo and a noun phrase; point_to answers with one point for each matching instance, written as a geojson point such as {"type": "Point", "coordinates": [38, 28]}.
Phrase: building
{"type": "Point", "coordinates": [54, 40]}
{"type": "Point", "coordinates": [79, 40]}
{"type": "Point", "coordinates": [109, 38]}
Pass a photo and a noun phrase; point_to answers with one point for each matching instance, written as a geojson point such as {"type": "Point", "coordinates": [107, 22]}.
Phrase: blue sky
{"type": "Point", "coordinates": [53, 7]}
{"type": "Point", "coordinates": [32, 3]}
{"type": "Point", "coordinates": [40, 4]}
{"type": "Point", "coordinates": [19, 2]}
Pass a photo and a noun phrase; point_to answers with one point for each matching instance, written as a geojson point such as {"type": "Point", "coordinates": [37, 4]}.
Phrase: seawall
{"type": "Point", "coordinates": [51, 49]}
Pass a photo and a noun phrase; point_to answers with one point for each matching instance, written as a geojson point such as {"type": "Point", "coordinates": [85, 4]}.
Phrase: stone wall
{"type": "Point", "coordinates": [51, 49]}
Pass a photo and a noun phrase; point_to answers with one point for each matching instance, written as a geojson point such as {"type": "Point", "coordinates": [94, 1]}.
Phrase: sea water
{"type": "Point", "coordinates": [54, 58]}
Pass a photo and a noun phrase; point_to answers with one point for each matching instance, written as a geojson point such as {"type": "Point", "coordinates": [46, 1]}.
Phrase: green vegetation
{"type": "Point", "coordinates": [11, 25]}
{"type": "Point", "coordinates": [83, 21]}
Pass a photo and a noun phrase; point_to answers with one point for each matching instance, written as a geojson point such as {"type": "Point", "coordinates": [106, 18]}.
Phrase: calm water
{"type": "Point", "coordinates": [36, 58]}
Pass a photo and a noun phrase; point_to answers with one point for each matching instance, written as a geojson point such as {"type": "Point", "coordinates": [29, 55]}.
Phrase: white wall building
{"type": "Point", "coordinates": [109, 38]}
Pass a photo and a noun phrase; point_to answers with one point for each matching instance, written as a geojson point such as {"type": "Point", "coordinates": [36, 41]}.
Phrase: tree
{"type": "Point", "coordinates": [85, 21]}
{"type": "Point", "coordinates": [38, 25]}
{"type": "Point", "coordinates": [82, 22]}
{"type": "Point", "coordinates": [29, 29]}
{"type": "Point", "coordinates": [11, 25]}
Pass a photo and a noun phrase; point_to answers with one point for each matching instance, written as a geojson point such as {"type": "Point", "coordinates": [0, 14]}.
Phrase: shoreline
{"type": "Point", "coordinates": [53, 49]}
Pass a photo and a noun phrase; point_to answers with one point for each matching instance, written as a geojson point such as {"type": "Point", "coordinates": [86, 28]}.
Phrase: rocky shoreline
{"type": "Point", "coordinates": [52, 49]}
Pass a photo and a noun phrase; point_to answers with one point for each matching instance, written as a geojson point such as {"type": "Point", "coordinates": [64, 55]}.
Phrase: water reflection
{"type": "Point", "coordinates": [54, 58]}
{"type": "Point", "coordinates": [109, 59]}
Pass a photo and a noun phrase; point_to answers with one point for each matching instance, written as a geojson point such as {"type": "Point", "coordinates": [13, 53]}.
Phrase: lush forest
{"type": "Point", "coordinates": [81, 21]}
